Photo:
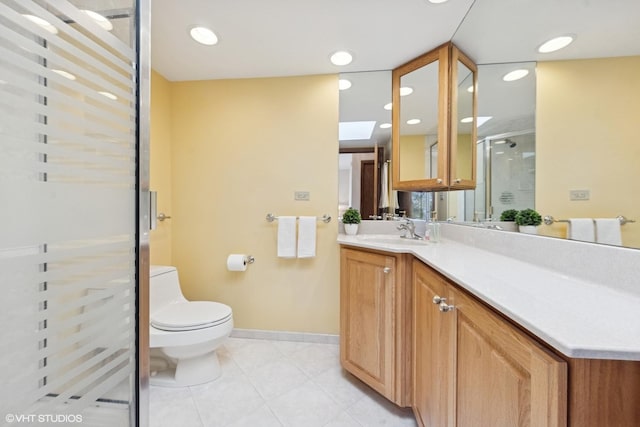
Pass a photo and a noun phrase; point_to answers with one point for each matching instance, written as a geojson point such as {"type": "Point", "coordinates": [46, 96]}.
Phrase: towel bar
{"type": "Point", "coordinates": [323, 218]}
{"type": "Point", "coordinates": [548, 220]}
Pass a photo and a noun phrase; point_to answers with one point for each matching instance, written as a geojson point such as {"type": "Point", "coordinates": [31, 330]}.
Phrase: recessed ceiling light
{"type": "Point", "coordinates": [65, 74]}
{"type": "Point", "coordinates": [341, 58]}
{"type": "Point", "coordinates": [554, 44]}
{"type": "Point", "coordinates": [100, 20]}
{"type": "Point", "coordinates": [388, 106]}
{"type": "Point", "coordinates": [515, 75]}
{"type": "Point", "coordinates": [108, 95]}
{"type": "Point", "coordinates": [438, 1]}
{"type": "Point", "coordinates": [344, 84]}
{"type": "Point", "coordinates": [42, 23]}
{"type": "Point", "coordinates": [406, 90]}
{"type": "Point", "coordinates": [413, 121]}
{"type": "Point", "coordinates": [203, 36]}
{"type": "Point", "coordinates": [385, 125]}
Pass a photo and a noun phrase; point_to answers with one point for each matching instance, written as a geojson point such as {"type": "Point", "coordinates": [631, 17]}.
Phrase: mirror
{"type": "Point", "coordinates": [432, 149]}
{"type": "Point", "coordinates": [513, 112]}
{"type": "Point", "coordinates": [463, 121]}
{"type": "Point", "coordinates": [463, 143]}
{"type": "Point", "coordinates": [365, 142]}
{"type": "Point", "coordinates": [506, 144]}
{"type": "Point", "coordinates": [568, 125]}
{"type": "Point", "coordinates": [419, 133]}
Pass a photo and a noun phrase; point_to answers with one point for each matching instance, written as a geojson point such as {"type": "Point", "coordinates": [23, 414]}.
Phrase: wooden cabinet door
{"type": "Point", "coordinates": [366, 318]}
{"type": "Point", "coordinates": [433, 344]}
{"type": "Point", "coordinates": [503, 377]}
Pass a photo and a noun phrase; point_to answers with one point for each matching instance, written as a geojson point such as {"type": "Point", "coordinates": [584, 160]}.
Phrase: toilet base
{"type": "Point", "coordinates": [188, 371]}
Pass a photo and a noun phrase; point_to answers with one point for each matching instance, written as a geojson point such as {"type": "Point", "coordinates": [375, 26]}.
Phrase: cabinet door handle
{"type": "Point", "coordinates": [457, 180]}
{"type": "Point", "coordinates": [439, 181]}
{"type": "Point", "coordinates": [386, 270]}
{"type": "Point", "coordinates": [444, 307]}
{"type": "Point", "coordinates": [437, 299]}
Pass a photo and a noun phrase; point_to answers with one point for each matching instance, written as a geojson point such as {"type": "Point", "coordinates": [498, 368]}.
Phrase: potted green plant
{"type": "Point", "coordinates": [509, 215]}
{"type": "Point", "coordinates": [351, 218]}
{"type": "Point", "coordinates": [528, 220]}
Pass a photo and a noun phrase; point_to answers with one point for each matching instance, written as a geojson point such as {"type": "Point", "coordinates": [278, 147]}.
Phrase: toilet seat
{"type": "Point", "coordinates": [191, 315]}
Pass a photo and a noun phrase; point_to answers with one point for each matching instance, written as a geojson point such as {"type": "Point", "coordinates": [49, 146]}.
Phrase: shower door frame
{"type": "Point", "coordinates": [140, 416]}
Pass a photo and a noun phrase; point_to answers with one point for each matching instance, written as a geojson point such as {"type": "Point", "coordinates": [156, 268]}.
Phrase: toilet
{"type": "Point", "coordinates": [183, 335]}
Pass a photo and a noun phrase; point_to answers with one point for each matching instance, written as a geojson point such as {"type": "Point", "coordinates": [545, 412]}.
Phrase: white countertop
{"type": "Point", "coordinates": [577, 317]}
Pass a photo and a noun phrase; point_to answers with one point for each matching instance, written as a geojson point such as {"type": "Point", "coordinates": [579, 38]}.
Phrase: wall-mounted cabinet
{"type": "Point", "coordinates": [434, 122]}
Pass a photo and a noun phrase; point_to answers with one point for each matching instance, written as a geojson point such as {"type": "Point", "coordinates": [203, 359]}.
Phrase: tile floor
{"type": "Point", "coordinates": [267, 383]}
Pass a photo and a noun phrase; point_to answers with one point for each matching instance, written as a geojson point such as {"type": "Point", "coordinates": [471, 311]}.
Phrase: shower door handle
{"type": "Point", "coordinates": [153, 209]}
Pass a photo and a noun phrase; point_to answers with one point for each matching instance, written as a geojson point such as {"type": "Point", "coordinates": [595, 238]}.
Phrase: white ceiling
{"type": "Point", "coordinates": [268, 38]}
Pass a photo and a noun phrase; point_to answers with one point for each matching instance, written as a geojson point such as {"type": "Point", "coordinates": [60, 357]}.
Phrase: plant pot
{"type": "Point", "coordinates": [528, 229]}
{"type": "Point", "coordinates": [351, 229]}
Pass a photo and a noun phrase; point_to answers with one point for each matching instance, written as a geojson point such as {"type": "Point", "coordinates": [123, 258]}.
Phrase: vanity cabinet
{"type": "Point", "coordinates": [423, 341]}
{"type": "Point", "coordinates": [375, 321]}
{"type": "Point", "coordinates": [473, 368]}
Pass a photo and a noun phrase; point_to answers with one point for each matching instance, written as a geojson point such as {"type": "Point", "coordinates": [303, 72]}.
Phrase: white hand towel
{"type": "Point", "coordinates": [384, 186]}
{"type": "Point", "coordinates": [608, 231]}
{"type": "Point", "coordinates": [307, 237]}
{"type": "Point", "coordinates": [287, 236]}
{"type": "Point", "coordinates": [581, 229]}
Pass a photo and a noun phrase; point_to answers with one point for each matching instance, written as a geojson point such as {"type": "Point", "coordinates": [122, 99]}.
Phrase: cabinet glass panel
{"type": "Point", "coordinates": [465, 122]}
{"type": "Point", "coordinates": [419, 123]}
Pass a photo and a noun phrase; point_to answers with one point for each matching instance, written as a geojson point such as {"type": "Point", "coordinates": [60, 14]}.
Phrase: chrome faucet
{"type": "Point", "coordinates": [409, 228]}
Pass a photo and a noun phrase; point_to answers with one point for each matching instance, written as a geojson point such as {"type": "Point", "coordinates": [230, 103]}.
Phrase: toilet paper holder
{"type": "Point", "coordinates": [239, 262]}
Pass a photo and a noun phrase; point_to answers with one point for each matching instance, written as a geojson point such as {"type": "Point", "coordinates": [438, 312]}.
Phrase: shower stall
{"type": "Point", "coordinates": [506, 177]}
{"type": "Point", "coordinates": [74, 78]}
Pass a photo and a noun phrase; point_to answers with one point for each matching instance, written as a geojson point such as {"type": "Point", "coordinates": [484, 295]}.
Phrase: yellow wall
{"type": "Point", "coordinates": [587, 138]}
{"type": "Point", "coordinates": [239, 150]}
{"type": "Point", "coordinates": [160, 167]}
{"type": "Point", "coordinates": [412, 153]}
{"type": "Point", "coordinates": [464, 157]}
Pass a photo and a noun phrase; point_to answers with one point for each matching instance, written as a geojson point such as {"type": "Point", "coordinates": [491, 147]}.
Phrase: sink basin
{"type": "Point", "coordinates": [391, 239]}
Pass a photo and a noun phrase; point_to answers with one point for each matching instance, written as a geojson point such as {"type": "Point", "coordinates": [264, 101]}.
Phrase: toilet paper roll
{"type": "Point", "coordinates": [237, 262]}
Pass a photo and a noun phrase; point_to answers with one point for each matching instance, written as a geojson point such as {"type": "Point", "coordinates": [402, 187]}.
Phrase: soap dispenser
{"type": "Point", "coordinates": [434, 228]}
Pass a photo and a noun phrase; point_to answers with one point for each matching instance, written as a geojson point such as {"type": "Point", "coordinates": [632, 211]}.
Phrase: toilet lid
{"type": "Point", "coordinates": [190, 315]}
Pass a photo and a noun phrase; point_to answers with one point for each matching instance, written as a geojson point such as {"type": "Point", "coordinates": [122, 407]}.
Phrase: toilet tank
{"type": "Point", "coordinates": [164, 287]}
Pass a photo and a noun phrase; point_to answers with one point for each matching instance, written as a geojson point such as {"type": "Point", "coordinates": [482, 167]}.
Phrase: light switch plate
{"type": "Point", "coordinates": [302, 195]}
{"type": "Point", "coordinates": [579, 195]}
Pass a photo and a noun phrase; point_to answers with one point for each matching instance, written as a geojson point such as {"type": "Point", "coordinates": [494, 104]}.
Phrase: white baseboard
{"type": "Point", "coordinates": [285, 336]}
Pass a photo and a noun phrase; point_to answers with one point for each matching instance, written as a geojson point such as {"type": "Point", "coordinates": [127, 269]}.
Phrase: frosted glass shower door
{"type": "Point", "coordinates": [69, 241]}
{"type": "Point", "coordinates": [513, 172]}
